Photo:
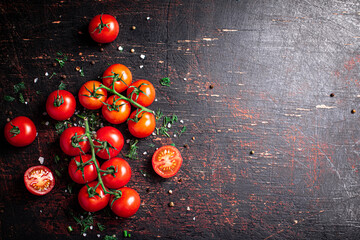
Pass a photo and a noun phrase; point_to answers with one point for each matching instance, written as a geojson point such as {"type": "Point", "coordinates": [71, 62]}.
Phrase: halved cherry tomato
{"type": "Point", "coordinates": [88, 174]}
{"type": "Point", "coordinates": [127, 205]}
{"type": "Point", "coordinates": [60, 105]}
{"type": "Point", "coordinates": [121, 173]}
{"type": "Point", "coordinates": [73, 142]}
{"type": "Point", "coordinates": [167, 161]}
{"type": "Point", "coordinates": [142, 91]}
{"type": "Point", "coordinates": [144, 126]}
{"type": "Point", "coordinates": [110, 142]}
{"type": "Point", "coordinates": [39, 180]}
{"type": "Point", "coordinates": [20, 131]}
{"type": "Point", "coordinates": [118, 74]}
{"type": "Point", "coordinates": [90, 96]}
{"type": "Point", "coordinates": [116, 110]}
{"type": "Point", "coordinates": [103, 28]}
{"type": "Point", "coordinates": [94, 203]}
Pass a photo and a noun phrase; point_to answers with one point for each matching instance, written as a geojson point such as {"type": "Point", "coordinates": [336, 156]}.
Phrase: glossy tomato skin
{"type": "Point", "coordinates": [95, 203]}
{"type": "Point", "coordinates": [108, 33]}
{"type": "Point", "coordinates": [144, 127]}
{"type": "Point", "coordinates": [167, 161]}
{"type": "Point", "coordinates": [144, 98]}
{"type": "Point", "coordinates": [118, 73]}
{"type": "Point", "coordinates": [90, 96]}
{"type": "Point", "coordinates": [39, 180]}
{"type": "Point", "coordinates": [127, 205]}
{"type": "Point", "coordinates": [111, 135]}
{"type": "Point", "coordinates": [90, 173]}
{"type": "Point", "coordinates": [120, 113]}
{"type": "Point", "coordinates": [20, 131]}
{"type": "Point", "coordinates": [66, 141]}
{"type": "Point", "coordinates": [60, 105]}
{"type": "Point", "coordinates": [122, 174]}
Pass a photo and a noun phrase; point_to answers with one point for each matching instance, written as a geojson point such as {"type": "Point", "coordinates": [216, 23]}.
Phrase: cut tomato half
{"type": "Point", "coordinates": [39, 180]}
{"type": "Point", "coordinates": [167, 161]}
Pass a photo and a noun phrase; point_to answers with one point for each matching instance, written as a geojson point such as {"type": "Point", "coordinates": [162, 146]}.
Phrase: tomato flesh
{"type": "Point", "coordinates": [167, 161]}
{"type": "Point", "coordinates": [39, 180]}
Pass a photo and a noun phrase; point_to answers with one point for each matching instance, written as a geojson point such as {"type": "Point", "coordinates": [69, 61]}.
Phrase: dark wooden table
{"type": "Point", "coordinates": [246, 76]}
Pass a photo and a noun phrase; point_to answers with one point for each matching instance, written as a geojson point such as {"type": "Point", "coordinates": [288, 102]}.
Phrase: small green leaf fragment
{"type": "Point", "coordinates": [19, 87]}
{"type": "Point", "coordinates": [62, 86]}
{"type": "Point", "coordinates": [21, 98]}
{"type": "Point", "coordinates": [9, 98]}
{"type": "Point", "coordinates": [165, 81]}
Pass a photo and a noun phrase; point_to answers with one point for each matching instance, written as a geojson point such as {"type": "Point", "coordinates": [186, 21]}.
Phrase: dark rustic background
{"type": "Point", "coordinates": [271, 65]}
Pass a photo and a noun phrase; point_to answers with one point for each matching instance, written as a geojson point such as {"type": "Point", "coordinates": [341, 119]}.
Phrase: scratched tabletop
{"type": "Point", "coordinates": [268, 92]}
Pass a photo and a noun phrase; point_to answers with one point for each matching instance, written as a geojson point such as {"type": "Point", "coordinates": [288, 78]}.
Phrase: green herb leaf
{"type": "Point", "coordinates": [182, 130]}
{"type": "Point", "coordinates": [84, 222]}
{"type": "Point", "coordinates": [62, 86]}
{"type": "Point", "coordinates": [21, 98]}
{"type": "Point", "coordinates": [132, 154]}
{"type": "Point", "coordinates": [107, 237]}
{"type": "Point", "coordinates": [165, 81]}
{"type": "Point", "coordinates": [53, 74]}
{"type": "Point", "coordinates": [61, 126]}
{"type": "Point", "coordinates": [19, 87]}
{"type": "Point", "coordinates": [82, 72]}
{"type": "Point", "coordinates": [101, 227]}
{"type": "Point", "coordinates": [61, 60]}
{"type": "Point", "coordinates": [58, 173]}
{"type": "Point", "coordinates": [9, 98]}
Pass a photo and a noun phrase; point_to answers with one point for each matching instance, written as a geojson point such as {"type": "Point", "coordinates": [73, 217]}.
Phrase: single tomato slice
{"type": "Point", "coordinates": [167, 161]}
{"type": "Point", "coordinates": [39, 180]}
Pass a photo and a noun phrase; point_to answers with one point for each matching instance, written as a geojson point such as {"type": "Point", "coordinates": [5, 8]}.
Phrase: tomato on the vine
{"type": "Point", "coordinates": [109, 142]}
{"type": "Point", "coordinates": [73, 142]}
{"type": "Point", "coordinates": [141, 124]}
{"type": "Point", "coordinates": [20, 131]}
{"type": "Point", "coordinates": [91, 199]}
{"type": "Point", "coordinates": [116, 110]}
{"type": "Point", "coordinates": [118, 74]}
{"type": "Point", "coordinates": [83, 174]}
{"type": "Point", "coordinates": [39, 180]}
{"type": "Point", "coordinates": [127, 205]}
{"type": "Point", "coordinates": [60, 105]}
{"type": "Point", "coordinates": [91, 96]}
{"type": "Point", "coordinates": [167, 161]}
{"type": "Point", "coordinates": [119, 173]}
{"type": "Point", "coordinates": [142, 91]}
{"type": "Point", "coordinates": [103, 28]}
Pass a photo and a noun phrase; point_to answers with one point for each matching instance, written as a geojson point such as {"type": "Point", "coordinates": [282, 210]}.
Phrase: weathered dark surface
{"type": "Point", "coordinates": [272, 64]}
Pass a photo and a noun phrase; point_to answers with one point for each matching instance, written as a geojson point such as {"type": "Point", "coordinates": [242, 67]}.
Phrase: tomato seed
{"type": "Point", "coordinates": [211, 86]}
{"type": "Point", "coordinates": [132, 50]}
{"type": "Point", "coordinates": [133, 28]}
{"type": "Point", "coordinates": [170, 192]}
{"type": "Point", "coordinates": [332, 94]}
{"type": "Point", "coordinates": [353, 111]}
{"type": "Point", "coordinates": [54, 64]}
{"type": "Point", "coordinates": [252, 152]}
{"type": "Point", "coordinates": [171, 204]}
{"type": "Point", "coordinates": [92, 62]}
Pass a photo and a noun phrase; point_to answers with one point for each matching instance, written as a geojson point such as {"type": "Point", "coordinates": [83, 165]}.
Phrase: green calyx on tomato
{"type": "Point", "coordinates": [117, 194]}
{"type": "Point", "coordinates": [115, 78]}
{"type": "Point", "coordinates": [76, 140]}
{"type": "Point", "coordinates": [93, 93]}
{"type": "Point", "coordinates": [114, 106]}
{"type": "Point", "coordinates": [14, 130]}
{"type": "Point", "coordinates": [58, 100]}
{"type": "Point", "coordinates": [104, 145]}
{"type": "Point", "coordinates": [101, 26]}
{"type": "Point", "coordinates": [137, 91]}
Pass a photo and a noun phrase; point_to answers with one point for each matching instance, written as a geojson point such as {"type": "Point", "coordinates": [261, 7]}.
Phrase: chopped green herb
{"type": "Point", "coordinates": [165, 81]}
{"type": "Point", "coordinates": [132, 154]}
{"type": "Point", "coordinates": [93, 118]}
{"type": "Point", "coordinates": [107, 237]}
{"type": "Point", "coordinates": [21, 98]}
{"type": "Point", "coordinates": [62, 60]}
{"type": "Point", "coordinates": [57, 159]}
{"type": "Point", "coordinates": [100, 226]}
{"type": "Point", "coordinates": [85, 222]}
{"type": "Point", "coordinates": [125, 233]}
{"type": "Point", "coordinates": [61, 126]}
{"type": "Point", "coordinates": [172, 144]}
{"type": "Point", "coordinates": [9, 98]}
{"type": "Point", "coordinates": [62, 86]}
{"type": "Point", "coordinates": [53, 74]}
{"type": "Point", "coordinates": [182, 130]}
{"type": "Point", "coordinates": [158, 114]}
{"type": "Point", "coordinates": [58, 173]}
{"type": "Point", "coordinates": [19, 87]}
{"type": "Point", "coordinates": [82, 72]}
{"type": "Point", "coordinates": [70, 188]}
{"type": "Point", "coordinates": [70, 229]}
{"type": "Point", "coordinates": [162, 131]}
{"type": "Point", "coordinates": [38, 92]}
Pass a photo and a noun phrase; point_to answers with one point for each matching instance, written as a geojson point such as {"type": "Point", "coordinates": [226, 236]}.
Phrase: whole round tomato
{"type": "Point", "coordinates": [39, 180]}
{"type": "Point", "coordinates": [103, 28]}
{"type": "Point", "coordinates": [109, 142]}
{"type": "Point", "coordinates": [60, 105]}
{"type": "Point", "coordinates": [73, 142]}
{"type": "Point", "coordinates": [20, 131]}
{"type": "Point", "coordinates": [90, 96]}
{"type": "Point", "coordinates": [116, 110]}
{"type": "Point", "coordinates": [97, 199]}
{"type": "Point", "coordinates": [142, 92]}
{"type": "Point", "coordinates": [87, 174]}
{"type": "Point", "coordinates": [167, 161]}
{"type": "Point", "coordinates": [141, 124]}
{"type": "Point", "coordinates": [119, 175]}
{"type": "Point", "coordinates": [127, 205]}
{"type": "Point", "coordinates": [118, 74]}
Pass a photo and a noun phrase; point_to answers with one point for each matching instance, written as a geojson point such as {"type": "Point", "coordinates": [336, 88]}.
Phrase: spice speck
{"type": "Point", "coordinates": [353, 111]}
{"type": "Point", "coordinates": [132, 50]}
{"type": "Point", "coordinates": [171, 204]}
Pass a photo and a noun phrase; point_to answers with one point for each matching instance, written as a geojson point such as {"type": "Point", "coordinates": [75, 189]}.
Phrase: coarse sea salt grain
{"type": "Point", "coordinates": [141, 66]}
{"type": "Point", "coordinates": [148, 18]}
{"type": "Point", "coordinates": [120, 48]}
{"type": "Point", "coordinates": [46, 74]}
{"type": "Point", "coordinates": [35, 80]}
{"type": "Point", "coordinates": [181, 121]}
{"type": "Point", "coordinates": [127, 140]}
{"type": "Point", "coordinates": [188, 208]}
{"type": "Point", "coordinates": [41, 160]}
{"type": "Point", "coordinates": [145, 153]}
{"type": "Point", "coordinates": [142, 56]}
{"type": "Point", "coordinates": [46, 123]}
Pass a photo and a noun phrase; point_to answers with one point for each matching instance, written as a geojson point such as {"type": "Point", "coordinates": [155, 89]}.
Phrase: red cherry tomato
{"type": "Point", "coordinates": [116, 110]}
{"type": "Point", "coordinates": [142, 92]}
{"type": "Point", "coordinates": [20, 131]}
{"type": "Point", "coordinates": [39, 180]}
{"type": "Point", "coordinates": [167, 161]}
{"type": "Point", "coordinates": [118, 74]}
{"type": "Point", "coordinates": [60, 105]}
{"type": "Point", "coordinates": [144, 126]}
{"type": "Point", "coordinates": [90, 96]}
{"type": "Point", "coordinates": [111, 139]}
{"type": "Point", "coordinates": [72, 137]}
{"type": "Point", "coordinates": [95, 202]}
{"type": "Point", "coordinates": [89, 172]}
{"type": "Point", "coordinates": [103, 28]}
{"type": "Point", "coordinates": [120, 175]}
{"type": "Point", "coordinates": [127, 205]}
